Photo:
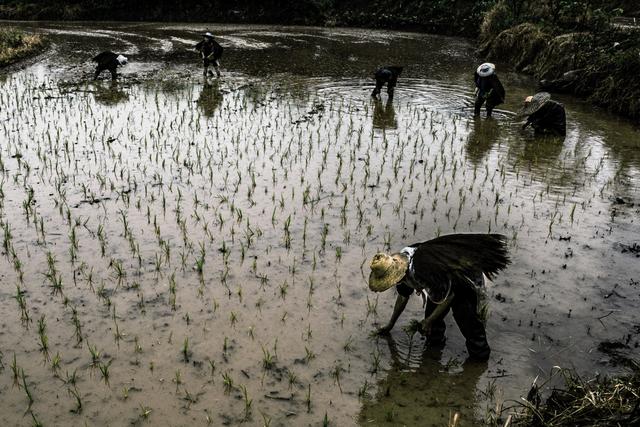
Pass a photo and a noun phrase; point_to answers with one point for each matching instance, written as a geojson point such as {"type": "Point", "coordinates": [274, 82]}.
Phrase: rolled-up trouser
{"type": "Point", "coordinates": [466, 312]}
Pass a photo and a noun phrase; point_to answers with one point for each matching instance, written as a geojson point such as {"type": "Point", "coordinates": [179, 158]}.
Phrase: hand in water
{"type": "Point", "coordinates": [385, 330]}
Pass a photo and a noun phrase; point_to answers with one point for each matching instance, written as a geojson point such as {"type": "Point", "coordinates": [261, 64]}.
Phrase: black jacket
{"type": "Point", "coordinates": [207, 47]}
{"type": "Point", "coordinates": [106, 60]}
{"type": "Point", "coordinates": [490, 87]}
{"type": "Point", "coordinates": [551, 118]}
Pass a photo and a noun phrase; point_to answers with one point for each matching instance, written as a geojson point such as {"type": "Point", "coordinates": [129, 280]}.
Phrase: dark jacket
{"type": "Point", "coordinates": [454, 260]}
{"type": "Point", "coordinates": [106, 60]}
{"type": "Point", "coordinates": [550, 118]}
{"type": "Point", "coordinates": [388, 75]}
{"type": "Point", "coordinates": [209, 46]}
{"type": "Point", "coordinates": [490, 88]}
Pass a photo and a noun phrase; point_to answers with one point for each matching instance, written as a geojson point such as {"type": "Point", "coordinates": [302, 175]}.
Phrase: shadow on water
{"type": "Point", "coordinates": [210, 98]}
{"type": "Point", "coordinates": [384, 115]}
{"type": "Point", "coordinates": [419, 390]}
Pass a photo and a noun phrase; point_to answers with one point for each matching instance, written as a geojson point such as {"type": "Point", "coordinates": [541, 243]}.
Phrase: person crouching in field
{"type": "Point", "coordinates": [389, 76]}
{"type": "Point", "coordinates": [448, 272]}
{"type": "Point", "coordinates": [546, 116]}
{"type": "Point", "coordinates": [211, 53]}
{"type": "Point", "coordinates": [108, 61]}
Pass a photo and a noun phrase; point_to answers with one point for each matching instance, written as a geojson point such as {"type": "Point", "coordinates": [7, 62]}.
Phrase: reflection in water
{"type": "Point", "coordinates": [599, 159]}
{"type": "Point", "coordinates": [542, 151]}
{"type": "Point", "coordinates": [384, 116]}
{"type": "Point", "coordinates": [421, 394]}
{"type": "Point", "coordinates": [210, 98]}
{"type": "Point", "coordinates": [110, 93]}
{"type": "Point", "coordinates": [483, 136]}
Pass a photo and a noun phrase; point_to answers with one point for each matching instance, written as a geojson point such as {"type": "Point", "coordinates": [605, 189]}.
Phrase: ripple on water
{"type": "Point", "coordinates": [432, 94]}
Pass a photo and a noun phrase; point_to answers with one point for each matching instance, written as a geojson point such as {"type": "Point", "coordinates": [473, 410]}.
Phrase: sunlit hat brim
{"type": "Point", "coordinates": [382, 279]}
{"type": "Point", "coordinates": [537, 102]}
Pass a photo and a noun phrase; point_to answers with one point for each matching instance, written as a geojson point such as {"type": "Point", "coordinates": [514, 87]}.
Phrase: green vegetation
{"type": "Point", "coordinates": [580, 402]}
{"type": "Point", "coordinates": [550, 38]}
{"type": "Point", "coordinates": [460, 17]}
{"type": "Point", "coordinates": [16, 45]}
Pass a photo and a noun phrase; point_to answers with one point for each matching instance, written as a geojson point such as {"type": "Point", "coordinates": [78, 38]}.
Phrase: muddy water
{"type": "Point", "coordinates": [180, 250]}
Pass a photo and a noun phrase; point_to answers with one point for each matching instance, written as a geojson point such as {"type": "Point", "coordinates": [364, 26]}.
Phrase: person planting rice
{"type": "Point", "coordinates": [448, 272]}
{"type": "Point", "coordinates": [489, 89]}
{"type": "Point", "coordinates": [389, 76]}
{"type": "Point", "coordinates": [546, 117]}
{"type": "Point", "coordinates": [109, 61]}
{"type": "Point", "coordinates": [211, 53]}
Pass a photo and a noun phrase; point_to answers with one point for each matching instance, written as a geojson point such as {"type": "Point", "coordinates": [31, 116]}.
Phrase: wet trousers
{"type": "Point", "coordinates": [466, 314]}
{"type": "Point", "coordinates": [213, 62]}
{"type": "Point", "coordinates": [479, 101]}
{"type": "Point", "coordinates": [391, 84]}
{"type": "Point", "coordinates": [100, 69]}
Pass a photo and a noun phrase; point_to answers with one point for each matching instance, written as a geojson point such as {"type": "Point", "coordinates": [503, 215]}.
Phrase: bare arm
{"type": "Point", "coordinates": [440, 309]}
{"type": "Point", "coordinates": [401, 303]}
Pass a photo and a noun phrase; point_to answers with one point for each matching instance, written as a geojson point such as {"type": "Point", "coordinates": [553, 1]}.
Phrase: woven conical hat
{"type": "Point", "coordinates": [387, 270]}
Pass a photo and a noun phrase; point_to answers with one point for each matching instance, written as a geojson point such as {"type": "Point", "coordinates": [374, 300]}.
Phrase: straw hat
{"type": "Point", "coordinates": [486, 69]}
{"type": "Point", "coordinates": [387, 270]}
{"type": "Point", "coordinates": [534, 103]}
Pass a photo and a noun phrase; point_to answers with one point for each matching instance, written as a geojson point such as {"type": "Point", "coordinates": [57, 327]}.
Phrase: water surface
{"type": "Point", "coordinates": [210, 239]}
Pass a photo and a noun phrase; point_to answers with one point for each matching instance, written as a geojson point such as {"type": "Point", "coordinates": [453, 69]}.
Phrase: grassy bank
{"type": "Point", "coordinates": [454, 17]}
{"type": "Point", "coordinates": [578, 402]}
{"type": "Point", "coordinates": [574, 49]}
{"type": "Point", "coordinates": [16, 45]}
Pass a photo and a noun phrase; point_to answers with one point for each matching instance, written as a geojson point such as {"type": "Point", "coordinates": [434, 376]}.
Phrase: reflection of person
{"type": "Point", "coordinates": [488, 88]}
{"type": "Point", "coordinates": [210, 98]}
{"type": "Point", "coordinates": [108, 61]}
{"type": "Point", "coordinates": [544, 115]}
{"type": "Point", "coordinates": [448, 273]}
{"type": "Point", "coordinates": [389, 76]}
{"type": "Point", "coordinates": [482, 137]}
{"type": "Point", "coordinates": [425, 394]}
{"type": "Point", "coordinates": [384, 117]}
{"type": "Point", "coordinates": [211, 53]}
{"type": "Point", "coordinates": [111, 94]}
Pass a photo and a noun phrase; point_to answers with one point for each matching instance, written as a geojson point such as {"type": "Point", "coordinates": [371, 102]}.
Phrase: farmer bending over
{"type": "Point", "coordinates": [544, 115]}
{"type": "Point", "coordinates": [211, 53]}
{"type": "Point", "coordinates": [389, 76]}
{"type": "Point", "coordinates": [488, 88]}
{"type": "Point", "coordinates": [448, 273]}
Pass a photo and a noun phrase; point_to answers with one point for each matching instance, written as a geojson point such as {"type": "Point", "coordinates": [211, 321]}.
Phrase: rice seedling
{"type": "Point", "coordinates": [104, 371]}
{"type": "Point", "coordinates": [27, 390]}
{"type": "Point", "coordinates": [307, 400]}
{"type": "Point", "coordinates": [227, 381]}
{"type": "Point", "coordinates": [78, 399]}
{"type": "Point", "coordinates": [154, 201]}
{"type": "Point", "coordinates": [247, 403]}
{"type": "Point", "coordinates": [186, 353]}
{"type": "Point", "coordinates": [144, 412]}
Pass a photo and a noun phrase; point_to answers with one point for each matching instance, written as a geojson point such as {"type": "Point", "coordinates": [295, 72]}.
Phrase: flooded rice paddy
{"type": "Point", "coordinates": [187, 251]}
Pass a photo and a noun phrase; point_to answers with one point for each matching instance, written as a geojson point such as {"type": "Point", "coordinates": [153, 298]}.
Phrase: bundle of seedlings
{"type": "Point", "coordinates": [600, 401]}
